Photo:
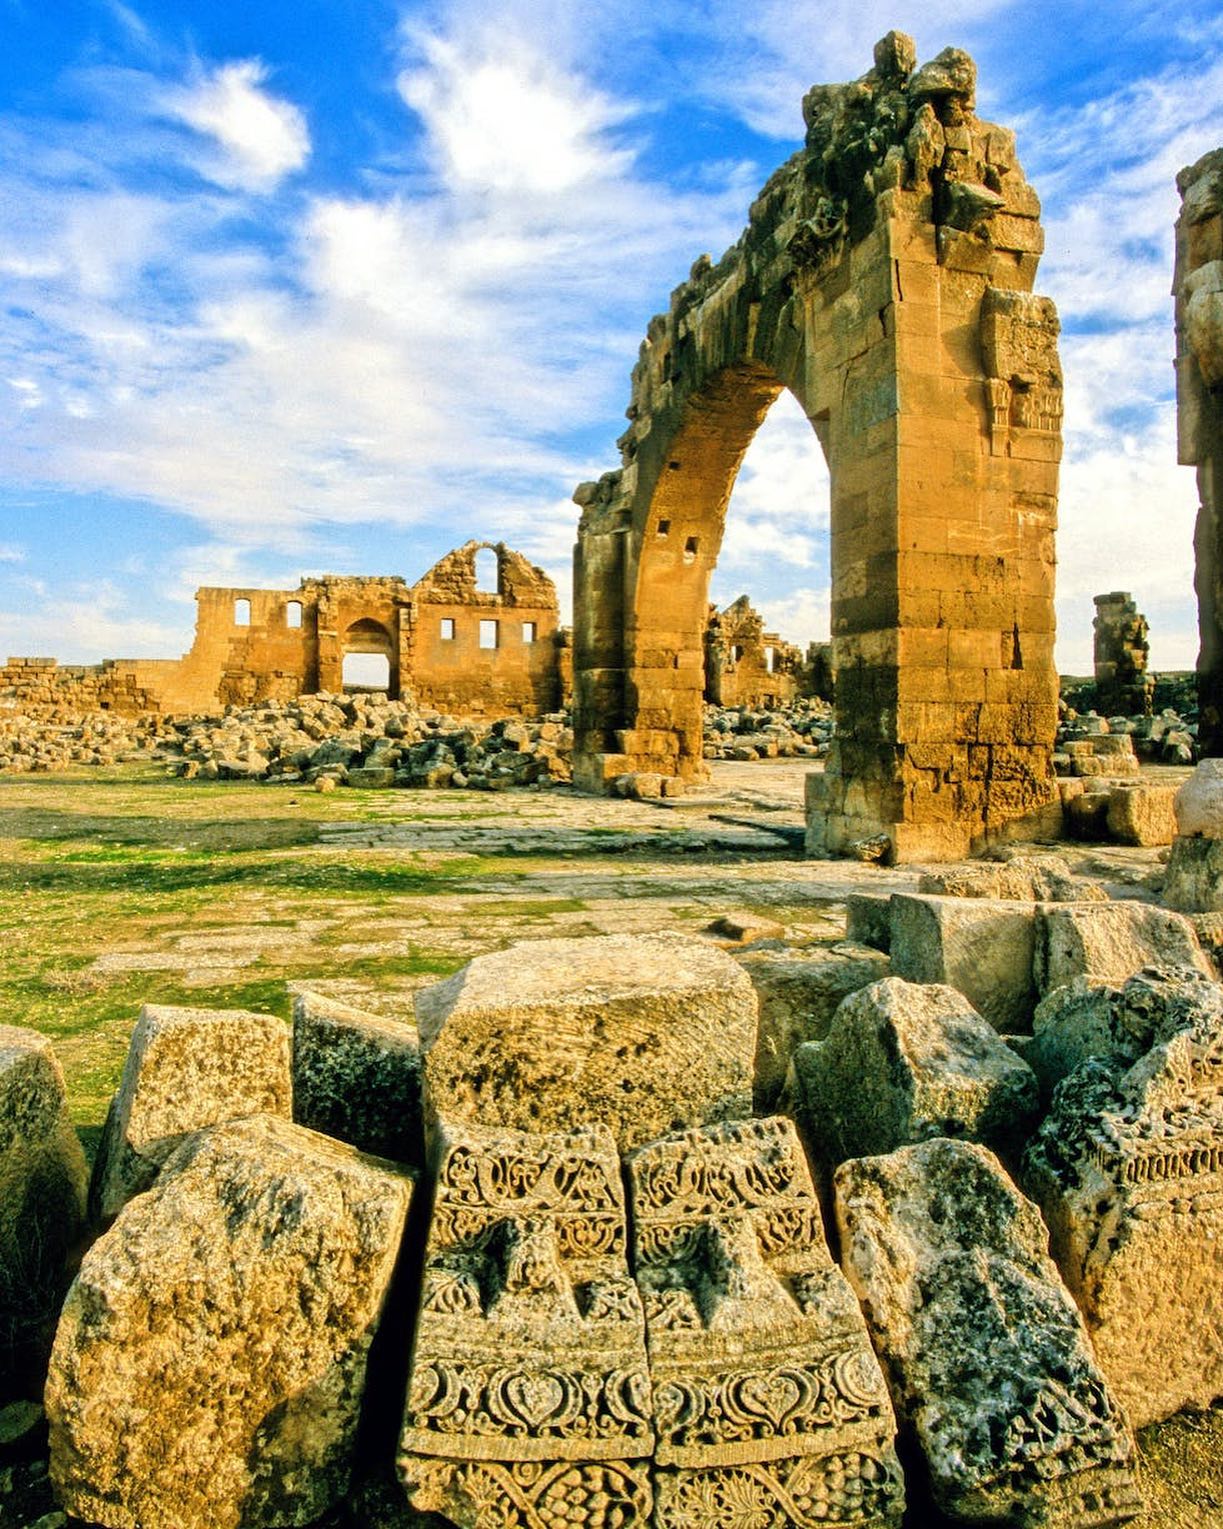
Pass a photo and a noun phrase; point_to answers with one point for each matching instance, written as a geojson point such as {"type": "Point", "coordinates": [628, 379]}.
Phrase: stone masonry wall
{"type": "Point", "coordinates": [744, 664]}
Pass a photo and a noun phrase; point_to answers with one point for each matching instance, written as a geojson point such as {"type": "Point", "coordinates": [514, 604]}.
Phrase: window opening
{"type": "Point", "coordinates": [488, 634]}
{"type": "Point", "coordinates": [447, 628]}
{"type": "Point", "coordinates": [528, 631]}
{"type": "Point", "coordinates": [293, 613]}
{"type": "Point", "coordinates": [770, 658]}
{"type": "Point", "coordinates": [242, 613]}
{"type": "Point", "coordinates": [488, 572]}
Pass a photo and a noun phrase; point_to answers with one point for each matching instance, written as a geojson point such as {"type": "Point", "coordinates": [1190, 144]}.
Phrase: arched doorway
{"type": "Point", "coordinates": [369, 660]}
{"type": "Point", "coordinates": [885, 280]}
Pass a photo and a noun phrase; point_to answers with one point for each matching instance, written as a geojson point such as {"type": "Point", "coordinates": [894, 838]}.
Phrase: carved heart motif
{"type": "Point", "coordinates": [535, 1398]}
{"type": "Point", "coordinates": [773, 1396]}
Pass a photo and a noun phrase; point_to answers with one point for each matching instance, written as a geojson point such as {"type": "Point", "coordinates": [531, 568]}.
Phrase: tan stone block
{"type": "Point", "coordinates": [1109, 942]}
{"type": "Point", "coordinates": [1142, 814]}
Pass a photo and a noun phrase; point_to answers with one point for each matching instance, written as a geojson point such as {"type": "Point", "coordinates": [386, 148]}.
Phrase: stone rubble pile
{"type": "Point", "coordinates": [1090, 744]}
{"type": "Point", "coordinates": [799, 729]}
{"type": "Point", "coordinates": [615, 1302]}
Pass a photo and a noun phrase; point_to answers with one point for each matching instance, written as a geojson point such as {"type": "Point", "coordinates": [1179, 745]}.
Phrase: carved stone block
{"type": "Point", "coordinates": [529, 1398]}
{"type": "Point", "coordinates": [1128, 1168]}
{"type": "Point", "coordinates": [987, 1358]}
{"type": "Point", "coordinates": [769, 1404]}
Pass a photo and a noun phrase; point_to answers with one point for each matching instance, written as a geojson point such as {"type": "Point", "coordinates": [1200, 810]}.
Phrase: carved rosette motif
{"type": "Point", "coordinates": [529, 1399]}
{"type": "Point", "coordinates": [769, 1404]}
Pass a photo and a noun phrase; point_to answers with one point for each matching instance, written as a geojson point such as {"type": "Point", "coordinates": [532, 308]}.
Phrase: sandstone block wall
{"type": "Point", "coordinates": [744, 664]}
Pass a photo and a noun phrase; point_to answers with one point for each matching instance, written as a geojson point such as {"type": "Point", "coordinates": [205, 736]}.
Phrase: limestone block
{"type": "Point", "coordinates": [529, 1388]}
{"type": "Point", "coordinates": [640, 1033]}
{"type": "Point", "coordinates": [1022, 878]}
{"type": "Point", "coordinates": [371, 777]}
{"type": "Point", "coordinates": [798, 993]}
{"type": "Point", "coordinates": [903, 1062]}
{"type": "Point", "coordinates": [987, 1358]}
{"type": "Point", "coordinates": [1199, 802]}
{"type": "Point", "coordinates": [1202, 294]}
{"type": "Point", "coordinates": [1088, 1019]}
{"type": "Point", "coordinates": [1194, 882]}
{"type": "Point", "coordinates": [981, 947]}
{"type": "Point", "coordinates": [1128, 1168]}
{"type": "Point", "coordinates": [356, 1076]}
{"type": "Point", "coordinates": [769, 1404]}
{"type": "Point", "coordinates": [42, 1196]}
{"type": "Point", "coordinates": [186, 1069]}
{"type": "Point", "coordinates": [1142, 814]}
{"type": "Point", "coordinates": [209, 1364]}
{"type": "Point", "coordinates": [1111, 941]}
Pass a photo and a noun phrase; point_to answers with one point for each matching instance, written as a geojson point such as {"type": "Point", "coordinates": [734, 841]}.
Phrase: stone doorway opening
{"type": "Point", "coordinates": [369, 661]}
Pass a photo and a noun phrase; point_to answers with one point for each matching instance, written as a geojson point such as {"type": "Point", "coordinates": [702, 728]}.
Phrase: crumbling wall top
{"type": "Point", "coordinates": [453, 580]}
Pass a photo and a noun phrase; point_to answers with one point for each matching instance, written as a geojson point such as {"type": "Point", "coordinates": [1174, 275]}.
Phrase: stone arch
{"type": "Point", "coordinates": [884, 278]}
{"type": "Point", "coordinates": [365, 636]}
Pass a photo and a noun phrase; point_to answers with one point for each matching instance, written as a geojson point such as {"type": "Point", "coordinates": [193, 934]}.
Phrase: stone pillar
{"type": "Point", "coordinates": [1198, 290]}
{"type": "Point", "coordinates": [1123, 686]}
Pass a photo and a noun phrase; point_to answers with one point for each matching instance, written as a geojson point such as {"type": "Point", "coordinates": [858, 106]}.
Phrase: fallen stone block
{"type": "Point", "coordinates": [356, 1076]}
{"type": "Point", "coordinates": [42, 1202]}
{"type": "Point", "coordinates": [186, 1069]}
{"type": "Point", "coordinates": [1022, 878]}
{"type": "Point", "coordinates": [745, 928]}
{"type": "Point", "coordinates": [1194, 881]}
{"type": "Point", "coordinates": [1199, 802]}
{"type": "Point", "coordinates": [210, 1360]}
{"type": "Point", "coordinates": [371, 777]}
{"type": "Point", "coordinates": [903, 1062]}
{"type": "Point", "coordinates": [1114, 1024]}
{"type": "Point", "coordinates": [988, 1361]}
{"type": "Point", "coordinates": [1142, 814]}
{"type": "Point", "coordinates": [641, 1033]}
{"type": "Point", "coordinates": [1087, 816]}
{"type": "Point", "coordinates": [1109, 942]}
{"type": "Point", "coordinates": [1128, 1168]}
{"type": "Point", "coordinates": [529, 1386]}
{"type": "Point", "coordinates": [982, 948]}
{"type": "Point", "coordinates": [868, 919]}
{"type": "Point", "coordinates": [798, 993]}
{"type": "Point", "coordinates": [766, 1392]}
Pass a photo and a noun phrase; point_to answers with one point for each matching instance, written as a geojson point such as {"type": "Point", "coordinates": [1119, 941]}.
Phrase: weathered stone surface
{"type": "Point", "coordinates": [1122, 646]}
{"type": "Point", "coordinates": [1142, 814]}
{"type": "Point", "coordinates": [529, 1399]}
{"type": "Point", "coordinates": [640, 1033]}
{"type": "Point", "coordinates": [988, 1360]}
{"type": "Point", "coordinates": [42, 1199]}
{"type": "Point", "coordinates": [1199, 802]}
{"type": "Point", "coordinates": [1115, 1025]}
{"type": "Point", "coordinates": [769, 1405]}
{"type": "Point", "coordinates": [209, 1363]}
{"type": "Point", "coordinates": [185, 1069]}
{"type": "Point", "coordinates": [798, 992]}
{"type": "Point", "coordinates": [981, 947]}
{"type": "Point", "coordinates": [1022, 878]}
{"type": "Point", "coordinates": [1194, 883]}
{"type": "Point", "coordinates": [1111, 941]}
{"type": "Point", "coordinates": [868, 919]}
{"type": "Point", "coordinates": [1128, 1168]}
{"type": "Point", "coordinates": [356, 1076]}
{"type": "Point", "coordinates": [903, 1062]}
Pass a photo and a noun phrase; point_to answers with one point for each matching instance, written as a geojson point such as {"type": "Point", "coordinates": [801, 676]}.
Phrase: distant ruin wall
{"type": "Point", "coordinates": [447, 644]}
{"type": "Point", "coordinates": [1122, 646]}
{"type": "Point", "coordinates": [744, 664]}
{"type": "Point", "coordinates": [1198, 290]}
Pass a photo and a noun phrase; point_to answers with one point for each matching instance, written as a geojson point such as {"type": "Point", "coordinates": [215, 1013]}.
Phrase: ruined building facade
{"type": "Point", "coordinates": [885, 278]}
{"type": "Point", "coordinates": [1198, 290]}
{"type": "Point", "coordinates": [744, 664]}
{"type": "Point", "coordinates": [445, 641]}
{"type": "Point", "coordinates": [1122, 646]}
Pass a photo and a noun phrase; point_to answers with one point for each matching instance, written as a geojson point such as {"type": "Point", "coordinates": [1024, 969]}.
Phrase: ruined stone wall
{"type": "Point", "coordinates": [494, 650]}
{"type": "Point", "coordinates": [885, 278]}
{"type": "Point", "coordinates": [1198, 290]}
{"type": "Point", "coordinates": [744, 664]}
{"type": "Point", "coordinates": [1123, 686]}
{"type": "Point", "coordinates": [255, 645]}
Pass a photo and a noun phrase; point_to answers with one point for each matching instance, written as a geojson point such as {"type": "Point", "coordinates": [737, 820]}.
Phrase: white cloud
{"type": "Point", "coordinates": [261, 138]}
{"type": "Point", "coordinates": [11, 554]}
{"type": "Point", "coordinates": [503, 118]}
{"type": "Point", "coordinates": [84, 622]}
{"type": "Point", "coordinates": [802, 616]}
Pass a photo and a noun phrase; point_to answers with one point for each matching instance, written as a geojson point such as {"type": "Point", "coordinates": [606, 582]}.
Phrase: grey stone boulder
{"type": "Point", "coordinates": [356, 1076]}
{"type": "Point", "coordinates": [903, 1062]}
{"type": "Point", "coordinates": [209, 1364]}
{"type": "Point", "coordinates": [42, 1201]}
{"type": "Point", "coordinates": [1194, 879]}
{"type": "Point", "coordinates": [1109, 942]}
{"type": "Point", "coordinates": [987, 1357]}
{"type": "Point", "coordinates": [186, 1069]}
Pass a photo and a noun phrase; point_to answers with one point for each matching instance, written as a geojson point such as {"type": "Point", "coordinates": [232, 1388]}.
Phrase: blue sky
{"type": "Point", "coordinates": [331, 285]}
